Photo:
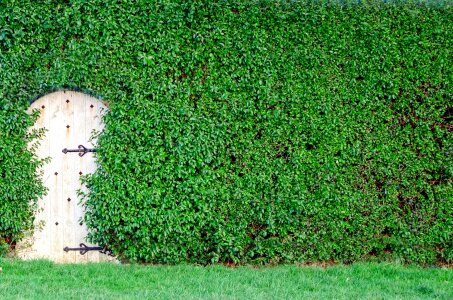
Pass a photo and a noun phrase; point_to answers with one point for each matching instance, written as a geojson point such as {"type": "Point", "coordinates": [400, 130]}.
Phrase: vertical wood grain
{"type": "Point", "coordinates": [70, 118]}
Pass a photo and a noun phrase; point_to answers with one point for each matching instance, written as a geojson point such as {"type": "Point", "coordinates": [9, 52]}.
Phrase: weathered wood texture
{"type": "Point", "coordinates": [70, 119]}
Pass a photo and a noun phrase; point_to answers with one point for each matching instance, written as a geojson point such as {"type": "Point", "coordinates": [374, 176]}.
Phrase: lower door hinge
{"type": "Point", "coordinates": [84, 249]}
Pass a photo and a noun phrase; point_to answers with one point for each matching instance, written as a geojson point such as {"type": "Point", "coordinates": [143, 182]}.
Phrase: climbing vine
{"type": "Point", "coordinates": [243, 131]}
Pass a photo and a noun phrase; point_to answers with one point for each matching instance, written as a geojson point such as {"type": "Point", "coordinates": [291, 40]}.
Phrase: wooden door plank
{"type": "Point", "coordinates": [68, 170]}
{"type": "Point", "coordinates": [58, 134]}
{"type": "Point", "coordinates": [79, 230]}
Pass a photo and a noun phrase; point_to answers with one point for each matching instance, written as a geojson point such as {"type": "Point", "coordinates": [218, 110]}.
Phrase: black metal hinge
{"type": "Point", "coordinates": [81, 149]}
{"type": "Point", "coordinates": [84, 249]}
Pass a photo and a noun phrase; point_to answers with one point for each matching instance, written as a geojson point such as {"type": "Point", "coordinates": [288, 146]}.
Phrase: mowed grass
{"type": "Point", "coordinates": [46, 280]}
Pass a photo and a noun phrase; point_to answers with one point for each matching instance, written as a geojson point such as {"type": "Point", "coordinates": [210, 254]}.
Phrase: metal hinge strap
{"type": "Point", "coordinates": [81, 150]}
{"type": "Point", "coordinates": [84, 249]}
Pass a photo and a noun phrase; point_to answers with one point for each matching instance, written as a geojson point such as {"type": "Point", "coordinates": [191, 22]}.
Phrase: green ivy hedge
{"type": "Point", "coordinates": [243, 131]}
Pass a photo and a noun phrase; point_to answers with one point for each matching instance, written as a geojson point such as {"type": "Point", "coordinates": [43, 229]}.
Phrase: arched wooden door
{"type": "Point", "coordinates": [70, 118]}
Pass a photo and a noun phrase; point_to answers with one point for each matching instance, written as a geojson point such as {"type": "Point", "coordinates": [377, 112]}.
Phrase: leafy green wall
{"type": "Point", "coordinates": [243, 131]}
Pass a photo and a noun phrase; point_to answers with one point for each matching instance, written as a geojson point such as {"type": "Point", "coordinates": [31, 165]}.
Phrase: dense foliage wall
{"type": "Point", "coordinates": [244, 131]}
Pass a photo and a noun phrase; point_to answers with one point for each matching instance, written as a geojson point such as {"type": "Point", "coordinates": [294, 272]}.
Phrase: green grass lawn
{"type": "Point", "coordinates": [46, 280]}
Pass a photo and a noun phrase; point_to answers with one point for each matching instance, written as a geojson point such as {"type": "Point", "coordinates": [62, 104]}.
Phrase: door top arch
{"type": "Point", "coordinates": [77, 93]}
